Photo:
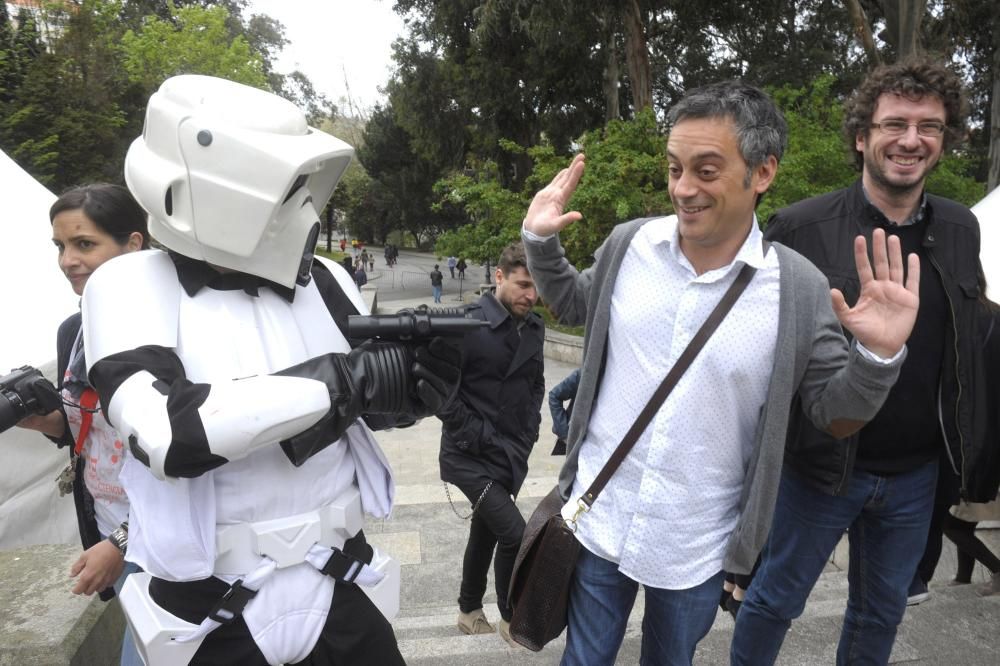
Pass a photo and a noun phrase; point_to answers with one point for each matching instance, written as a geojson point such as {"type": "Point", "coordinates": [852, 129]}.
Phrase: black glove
{"type": "Point", "coordinates": [438, 371]}
{"type": "Point", "coordinates": [394, 383]}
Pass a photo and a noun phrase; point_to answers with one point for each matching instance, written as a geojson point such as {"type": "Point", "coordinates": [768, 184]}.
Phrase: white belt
{"type": "Point", "coordinates": [287, 541]}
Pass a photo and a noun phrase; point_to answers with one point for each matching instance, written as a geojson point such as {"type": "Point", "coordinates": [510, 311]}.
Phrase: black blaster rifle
{"type": "Point", "coordinates": [409, 325]}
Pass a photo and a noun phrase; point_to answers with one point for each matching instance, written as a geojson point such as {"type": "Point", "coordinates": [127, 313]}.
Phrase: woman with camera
{"type": "Point", "coordinates": [90, 225]}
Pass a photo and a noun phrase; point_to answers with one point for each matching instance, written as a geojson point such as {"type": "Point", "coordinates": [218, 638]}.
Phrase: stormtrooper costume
{"type": "Point", "coordinates": [247, 411]}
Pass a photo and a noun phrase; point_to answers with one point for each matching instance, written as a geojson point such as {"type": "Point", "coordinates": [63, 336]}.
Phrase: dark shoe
{"type": "Point", "coordinates": [992, 588]}
{"type": "Point", "coordinates": [918, 592]}
{"type": "Point", "coordinates": [724, 599]}
{"type": "Point", "coordinates": [560, 448]}
{"type": "Point", "coordinates": [733, 606]}
{"type": "Point", "coordinates": [954, 582]}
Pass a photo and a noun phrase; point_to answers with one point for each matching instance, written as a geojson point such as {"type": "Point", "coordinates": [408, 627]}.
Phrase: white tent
{"type": "Point", "coordinates": [988, 212]}
{"type": "Point", "coordinates": [34, 300]}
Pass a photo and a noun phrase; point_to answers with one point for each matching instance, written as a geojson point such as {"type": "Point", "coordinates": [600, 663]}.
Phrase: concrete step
{"type": "Point", "coordinates": [428, 635]}
{"type": "Point", "coordinates": [954, 628]}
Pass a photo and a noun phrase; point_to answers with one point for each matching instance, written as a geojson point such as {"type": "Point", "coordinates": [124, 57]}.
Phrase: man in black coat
{"type": "Point", "coordinates": [489, 430]}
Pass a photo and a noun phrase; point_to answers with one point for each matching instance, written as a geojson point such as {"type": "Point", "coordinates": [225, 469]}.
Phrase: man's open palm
{"type": "Point", "coordinates": [546, 214]}
{"type": "Point", "coordinates": [886, 310]}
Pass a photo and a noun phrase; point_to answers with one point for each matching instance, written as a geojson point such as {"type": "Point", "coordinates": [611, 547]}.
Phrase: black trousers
{"type": "Point", "coordinates": [970, 548]}
{"type": "Point", "coordinates": [355, 634]}
{"type": "Point", "coordinates": [945, 495]}
{"type": "Point", "coordinates": [496, 524]}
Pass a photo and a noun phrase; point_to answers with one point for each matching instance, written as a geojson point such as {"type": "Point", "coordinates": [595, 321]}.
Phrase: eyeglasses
{"type": "Point", "coordinates": [897, 127]}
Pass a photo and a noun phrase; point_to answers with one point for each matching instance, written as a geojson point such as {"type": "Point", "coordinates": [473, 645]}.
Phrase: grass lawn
{"type": "Point", "coordinates": [550, 322]}
{"type": "Point", "coordinates": [336, 255]}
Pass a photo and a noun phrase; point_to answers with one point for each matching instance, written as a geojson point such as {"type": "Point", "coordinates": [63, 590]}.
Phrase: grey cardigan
{"type": "Point", "coordinates": [812, 358]}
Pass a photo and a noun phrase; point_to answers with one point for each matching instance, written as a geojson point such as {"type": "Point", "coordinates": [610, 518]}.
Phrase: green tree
{"type": "Point", "coordinates": [196, 41]}
{"type": "Point", "coordinates": [471, 73]}
{"type": "Point", "coordinates": [402, 178]}
{"type": "Point", "coordinates": [625, 178]}
{"type": "Point", "coordinates": [64, 121]}
{"type": "Point", "coordinates": [8, 63]}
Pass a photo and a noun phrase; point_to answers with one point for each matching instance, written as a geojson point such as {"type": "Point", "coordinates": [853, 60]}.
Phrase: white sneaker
{"type": "Point", "coordinates": [474, 623]}
{"type": "Point", "coordinates": [504, 630]}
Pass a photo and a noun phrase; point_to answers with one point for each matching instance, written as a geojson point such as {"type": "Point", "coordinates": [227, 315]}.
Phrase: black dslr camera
{"type": "Point", "coordinates": [24, 392]}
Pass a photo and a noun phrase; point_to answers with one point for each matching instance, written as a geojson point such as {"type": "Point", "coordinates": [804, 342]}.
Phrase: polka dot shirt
{"type": "Point", "coordinates": [667, 513]}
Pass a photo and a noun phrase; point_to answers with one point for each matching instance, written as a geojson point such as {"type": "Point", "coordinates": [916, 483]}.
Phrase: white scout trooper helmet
{"type": "Point", "coordinates": [234, 176]}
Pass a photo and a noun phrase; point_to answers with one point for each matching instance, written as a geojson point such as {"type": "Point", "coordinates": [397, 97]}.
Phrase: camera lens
{"type": "Point", "coordinates": [12, 410]}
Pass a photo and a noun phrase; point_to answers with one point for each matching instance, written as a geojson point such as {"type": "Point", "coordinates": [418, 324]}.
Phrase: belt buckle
{"type": "Point", "coordinates": [287, 540]}
{"type": "Point", "coordinates": [232, 602]}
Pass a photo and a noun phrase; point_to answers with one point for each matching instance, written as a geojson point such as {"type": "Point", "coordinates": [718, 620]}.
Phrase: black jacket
{"type": "Point", "coordinates": [984, 475]}
{"type": "Point", "coordinates": [86, 519]}
{"type": "Point", "coordinates": [823, 230]}
{"type": "Point", "coordinates": [491, 426]}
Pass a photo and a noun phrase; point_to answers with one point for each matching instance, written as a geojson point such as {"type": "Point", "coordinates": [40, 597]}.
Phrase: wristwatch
{"type": "Point", "coordinates": [119, 538]}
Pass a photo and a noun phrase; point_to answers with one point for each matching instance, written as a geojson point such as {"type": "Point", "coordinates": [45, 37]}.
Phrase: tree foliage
{"type": "Point", "coordinates": [71, 103]}
{"type": "Point", "coordinates": [809, 53]}
{"type": "Point", "coordinates": [194, 41]}
{"type": "Point", "coordinates": [490, 97]}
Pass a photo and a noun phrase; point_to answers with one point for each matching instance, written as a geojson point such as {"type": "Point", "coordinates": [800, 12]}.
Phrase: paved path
{"type": "Point", "coordinates": [410, 278]}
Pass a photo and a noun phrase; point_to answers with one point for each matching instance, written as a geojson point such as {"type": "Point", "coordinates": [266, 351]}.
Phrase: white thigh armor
{"type": "Point", "coordinates": [153, 628]}
{"type": "Point", "coordinates": [286, 548]}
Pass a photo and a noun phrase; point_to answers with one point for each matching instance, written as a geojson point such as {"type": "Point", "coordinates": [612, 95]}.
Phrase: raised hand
{"type": "Point", "coordinates": [886, 310]}
{"type": "Point", "coordinates": [546, 214]}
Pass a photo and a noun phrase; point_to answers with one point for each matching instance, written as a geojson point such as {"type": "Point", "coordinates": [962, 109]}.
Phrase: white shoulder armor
{"type": "Point", "coordinates": [130, 301]}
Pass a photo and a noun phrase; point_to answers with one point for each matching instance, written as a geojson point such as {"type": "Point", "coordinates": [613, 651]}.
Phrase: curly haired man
{"type": "Point", "coordinates": [880, 483]}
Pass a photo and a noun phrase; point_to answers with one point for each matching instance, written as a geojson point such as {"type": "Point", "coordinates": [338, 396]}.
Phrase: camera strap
{"type": "Point", "coordinates": [87, 405]}
{"type": "Point", "coordinates": [88, 402]}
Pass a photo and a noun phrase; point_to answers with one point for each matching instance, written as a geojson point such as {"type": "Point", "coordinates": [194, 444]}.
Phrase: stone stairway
{"type": "Point", "coordinates": [955, 627]}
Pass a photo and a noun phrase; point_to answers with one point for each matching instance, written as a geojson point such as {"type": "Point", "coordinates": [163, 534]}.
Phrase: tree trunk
{"type": "Point", "coordinates": [863, 31]}
{"type": "Point", "coordinates": [611, 73]}
{"type": "Point", "coordinates": [637, 56]}
{"type": "Point", "coordinates": [329, 229]}
{"type": "Point", "coordinates": [902, 22]}
{"type": "Point", "coordinates": [993, 179]}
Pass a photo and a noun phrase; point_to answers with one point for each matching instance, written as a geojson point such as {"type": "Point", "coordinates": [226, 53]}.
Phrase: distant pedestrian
{"type": "Point", "coordinates": [436, 279]}
{"type": "Point", "coordinates": [461, 266]}
{"type": "Point", "coordinates": [343, 244]}
{"type": "Point", "coordinates": [360, 276]}
{"type": "Point", "coordinates": [451, 266]}
{"type": "Point", "coordinates": [364, 258]}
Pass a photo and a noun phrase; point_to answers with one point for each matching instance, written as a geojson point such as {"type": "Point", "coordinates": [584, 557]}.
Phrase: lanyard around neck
{"type": "Point", "coordinates": [88, 401]}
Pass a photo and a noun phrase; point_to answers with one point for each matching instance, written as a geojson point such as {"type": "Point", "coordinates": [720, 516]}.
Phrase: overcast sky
{"type": "Point", "coordinates": [334, 40]}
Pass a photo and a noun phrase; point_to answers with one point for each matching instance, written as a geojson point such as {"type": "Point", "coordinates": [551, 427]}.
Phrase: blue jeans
{"type": "Point", "coordinates": [437, 294]}
{"type": "Point", "coordinates": [601, 598]}
{"type": "Point", "coordinates": [130, 655]}
{"type": "Point", "coordinates": [886, 518]}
